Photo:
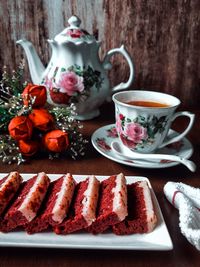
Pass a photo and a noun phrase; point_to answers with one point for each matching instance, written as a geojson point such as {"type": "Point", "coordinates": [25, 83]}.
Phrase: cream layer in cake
{"type": "Point", "coordinates": [151, 217]}
{"type": "Point", "coordinates": [8, 189]}
{"type": "Point", "coordinates": [34, 196]}
{"type": "Point", "coordinates": [64, 198]}
{"type": "Point", "coordinates": [89, 201]}
{"type": "Point", "coordinates": [120, 197]}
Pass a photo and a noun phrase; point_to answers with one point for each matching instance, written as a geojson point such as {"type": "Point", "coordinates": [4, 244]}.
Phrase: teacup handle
{"type": "Point", "coordinates": [107, 65]}
{"type": "Point", "coordinates": [191, 116]}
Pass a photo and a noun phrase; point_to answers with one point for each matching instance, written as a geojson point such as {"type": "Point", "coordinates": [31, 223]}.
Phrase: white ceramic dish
{"type": "Point", "coordinates": [159, 239]}
{"type": "Point", "coordinates": [103, 137]}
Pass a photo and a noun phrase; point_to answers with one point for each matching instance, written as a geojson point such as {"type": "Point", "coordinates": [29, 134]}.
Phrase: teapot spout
{"type": "Point", "coordinates": [35, 65]}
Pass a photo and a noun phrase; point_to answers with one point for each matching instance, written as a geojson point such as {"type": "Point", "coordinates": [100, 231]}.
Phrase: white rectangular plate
{"type": "Point", "coordinates": [159, 239]}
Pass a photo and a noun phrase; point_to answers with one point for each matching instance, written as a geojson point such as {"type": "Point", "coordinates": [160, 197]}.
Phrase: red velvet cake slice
{"type": "Point", "coordinates": [141, 216]}
{"type": "Point", "coordinates": [83, 209]}
{"type": "Point", "coordinates": [56, 204]}
{"type": "Point", "coordinates": [9, 185]}
{"type": "Point", "coordinates": [26, 205]}
{"type": "Point", "coordinates": [112, 203]}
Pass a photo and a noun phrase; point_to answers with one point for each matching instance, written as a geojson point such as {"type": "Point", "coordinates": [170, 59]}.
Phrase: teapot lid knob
{"type": "Point", "coordinates": [74, 33]}
{"type": "Point", "coordinates": [74, 21]}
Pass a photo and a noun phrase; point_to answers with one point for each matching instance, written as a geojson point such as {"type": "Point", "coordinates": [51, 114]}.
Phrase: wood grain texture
{"type": "Point", "coordinates": [161, 36]}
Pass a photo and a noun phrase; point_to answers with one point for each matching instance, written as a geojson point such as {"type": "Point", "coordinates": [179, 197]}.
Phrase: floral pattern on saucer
{"type": "Point", "coordinates": [103, 137]}
{"type": "Point", "coordinates": [176, 146]}
{"type": "Point", "coordinates": [101, 142]}
{"type": "Point", "coordinates": [112, 132]}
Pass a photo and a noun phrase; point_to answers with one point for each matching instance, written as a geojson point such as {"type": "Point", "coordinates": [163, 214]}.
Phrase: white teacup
{"type": "Point", "coordinates": [143, 119]}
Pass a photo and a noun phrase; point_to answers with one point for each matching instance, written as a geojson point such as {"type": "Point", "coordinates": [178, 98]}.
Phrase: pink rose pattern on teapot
{"type": "Point", "coordinates": [70, 83]}
{"type": "Point", "coordinates": [73, 85]}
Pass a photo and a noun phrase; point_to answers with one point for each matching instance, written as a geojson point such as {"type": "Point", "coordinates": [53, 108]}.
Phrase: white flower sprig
{"type": "Point", "coordinates": [65, 121]}
{"type": "Point", "coordinates": [9, 150]}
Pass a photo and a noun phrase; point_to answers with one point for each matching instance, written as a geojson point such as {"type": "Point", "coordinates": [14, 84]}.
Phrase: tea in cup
{"type": "Point", "coordinates": [143, 119]}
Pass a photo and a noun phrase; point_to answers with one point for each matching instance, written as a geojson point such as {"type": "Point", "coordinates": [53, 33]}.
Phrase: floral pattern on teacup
{"type": "Point", "coordinates": [140, 131]}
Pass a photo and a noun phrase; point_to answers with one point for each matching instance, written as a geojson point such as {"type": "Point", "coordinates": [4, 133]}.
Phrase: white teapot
{"type": "Point", "coordinates": [75, 73]}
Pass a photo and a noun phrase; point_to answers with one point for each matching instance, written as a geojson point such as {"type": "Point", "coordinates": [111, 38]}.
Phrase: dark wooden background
{"type": "Point", "coordinates": [162, 37]}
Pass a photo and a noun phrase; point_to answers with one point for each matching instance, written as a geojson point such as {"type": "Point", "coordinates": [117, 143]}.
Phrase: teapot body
{"type": "Point", "coordinates": [76, 75]}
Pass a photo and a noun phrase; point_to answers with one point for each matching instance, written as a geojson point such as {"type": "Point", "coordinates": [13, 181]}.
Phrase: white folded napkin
{"type": "Point", "coordinates": [187, 200]}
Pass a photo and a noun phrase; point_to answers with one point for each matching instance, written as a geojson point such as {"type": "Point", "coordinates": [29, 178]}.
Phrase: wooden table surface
{"type": "Point", "coordinates": [183, 253]}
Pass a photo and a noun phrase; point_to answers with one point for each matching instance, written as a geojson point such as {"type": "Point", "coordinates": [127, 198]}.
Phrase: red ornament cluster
{"type": "Point", "coordinates": [37, 130]}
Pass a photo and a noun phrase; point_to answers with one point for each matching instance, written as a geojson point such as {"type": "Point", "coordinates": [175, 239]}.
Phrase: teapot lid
{"type": "Point", "coordinates": [74, 33]}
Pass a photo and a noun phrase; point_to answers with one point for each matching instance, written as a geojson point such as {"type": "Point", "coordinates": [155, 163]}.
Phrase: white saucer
{"type": "Point", "coordinates": [102, 138]}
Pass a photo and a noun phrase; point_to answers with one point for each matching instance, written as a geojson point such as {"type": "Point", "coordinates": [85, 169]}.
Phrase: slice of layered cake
{"type": "Point", "coordinates": [56, 204]}
{"type": "Point", "coordinates": [27, 203]}
{"type": "Point", "coordinates": [83, 209]}
{"type": "Point", "coordinates": [141, 216]}
{"type": "Point", "coordinates": [9, 185]}
{"type": "Point", "coordinates": [112, 206]}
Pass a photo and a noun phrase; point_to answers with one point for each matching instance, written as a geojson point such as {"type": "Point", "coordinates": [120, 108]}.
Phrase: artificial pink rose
{"type": "Point", "coordinates": [70, 83]}
{"type": "Point", "coordinates": [135, 132]}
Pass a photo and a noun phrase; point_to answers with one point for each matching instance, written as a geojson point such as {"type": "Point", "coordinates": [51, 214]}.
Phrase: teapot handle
{"type": "Point", "coordinates": [107, 65]}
